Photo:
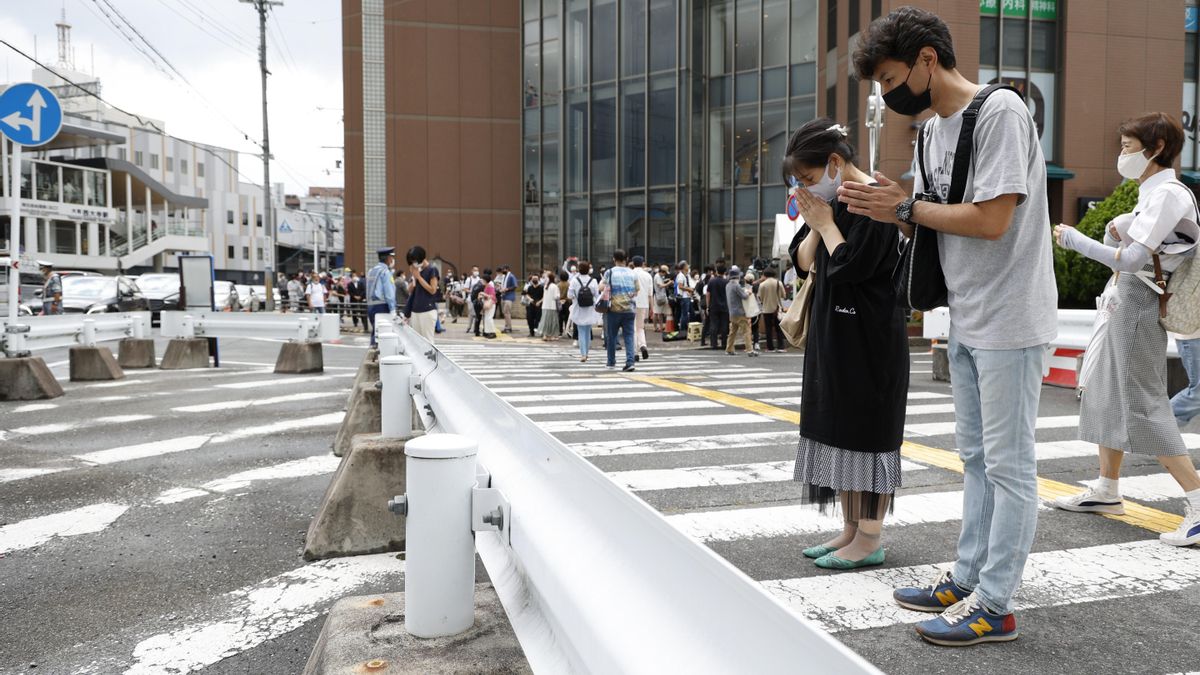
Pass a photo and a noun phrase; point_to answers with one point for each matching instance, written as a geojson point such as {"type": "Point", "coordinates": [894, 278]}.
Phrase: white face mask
{"type": "Point", "coordinates": [826, 188]}
{"type": "Point", "coordinates": [1132, 165]}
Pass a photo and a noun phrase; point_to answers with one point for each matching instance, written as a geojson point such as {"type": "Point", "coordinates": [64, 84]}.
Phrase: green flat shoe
{"type": "Point", "coordinates": [819, 551]}
{"type": "Point", "coordinates": [832, 562]}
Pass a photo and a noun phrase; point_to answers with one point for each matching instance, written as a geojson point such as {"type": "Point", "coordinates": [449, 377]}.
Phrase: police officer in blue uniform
{"type": "Point", "coordinates": [381, 287]}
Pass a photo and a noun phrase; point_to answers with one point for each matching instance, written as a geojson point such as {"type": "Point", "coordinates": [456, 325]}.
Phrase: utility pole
{"type": "Point", "coordinates": [262, 7]}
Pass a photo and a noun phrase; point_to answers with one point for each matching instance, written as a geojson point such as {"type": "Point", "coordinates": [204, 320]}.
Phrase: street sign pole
{"type": "Point", "coordinates": [14, 226]}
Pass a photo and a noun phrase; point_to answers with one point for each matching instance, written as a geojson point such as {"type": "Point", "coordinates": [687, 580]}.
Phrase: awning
{"type": "Point", "coordinates": [1056, 172]}
{"type": "Point", "coordinates": [1190, 177]}
{"type": "Point", "coordinates": [141, 180]}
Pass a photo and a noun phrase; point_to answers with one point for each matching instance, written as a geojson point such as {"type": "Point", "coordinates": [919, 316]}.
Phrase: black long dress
{"type": "Point", "coordinates": [855, 369]}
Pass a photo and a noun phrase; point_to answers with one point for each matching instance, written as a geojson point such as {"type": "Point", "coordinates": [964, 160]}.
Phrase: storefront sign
{"type": "Point", "coordinates": [61, 211]}
{"type": "Point", "coordinates": [1042, 9]}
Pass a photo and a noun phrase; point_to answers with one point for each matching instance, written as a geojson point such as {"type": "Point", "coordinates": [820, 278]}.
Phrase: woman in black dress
{"type": "Point", "coordinates": [856, 360]}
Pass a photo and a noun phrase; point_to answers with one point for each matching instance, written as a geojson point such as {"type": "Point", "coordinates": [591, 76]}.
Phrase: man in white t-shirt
{"type": "Point", "coordinates": [315, 292]}
{"type": "Point", "coordinates": [684, 292]}
{"type": "Point", "coordinates": [643, 304]}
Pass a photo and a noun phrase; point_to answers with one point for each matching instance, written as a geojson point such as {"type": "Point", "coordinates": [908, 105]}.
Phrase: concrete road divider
{"type": "Point", "coordinates": [93, 364]}
{"type": "Point", "coordinates": [300, 356]}
{"type": "Point", "coordinates": [362, 417]}
{"type": "Point", "coordinates": [184, 353]}
{"type": "Point", "coordinates": [136, 353]}
{"type": "Point", "coordinates": [368, 373]}
{"type": "Point", "coordinates": [27, 379]}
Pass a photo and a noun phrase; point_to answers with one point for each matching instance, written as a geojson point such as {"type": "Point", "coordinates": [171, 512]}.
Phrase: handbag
{"type": "Point", "coordinates": [795, 321]}
{"type": "Point", "coordinates": [918, 277]}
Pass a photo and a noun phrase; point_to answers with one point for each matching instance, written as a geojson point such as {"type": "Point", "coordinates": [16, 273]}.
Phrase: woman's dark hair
{"type": "Point", "coordinates": [583, 267]}
{"type": "Point", "coordinates": [1151, 128]}
{"type": "Point", "coordinates": [899, 36]}
{"type": "Point", "coordinates": [415, 254]}
{"type": "Point", "coordinates": [812, 144]}
{"type": "Point", "coordinates": [487, 274]}
{"type": "Point", "coordinates": [563, 276]}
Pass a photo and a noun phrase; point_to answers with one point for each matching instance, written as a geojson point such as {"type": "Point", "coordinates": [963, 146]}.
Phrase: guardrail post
{"type": "Point", "coordinates": [389, 344]}
{"type": "Point", "coordinates": [139, 330]}
{"type": "Point", "coordinates": [395, 374]}
{"type": "Point", "coordinates": [439, 573]}
{"type": "Point", "coordinates": [89, 332]}
{"type": "Point", "coordinates": [189, 327]}
{"type": "Point", "coordinates": [302, 334]}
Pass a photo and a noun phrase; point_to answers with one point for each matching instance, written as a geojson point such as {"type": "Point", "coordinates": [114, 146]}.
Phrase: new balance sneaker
{"type": "Point", "coordinates": [1188, 532]}
{"type": "Point", "coordinates": [1091, 501]}
{"type": "Point", "coordinates": [968, 623]}
{"type": "Point", "coordinates": [936, 597]}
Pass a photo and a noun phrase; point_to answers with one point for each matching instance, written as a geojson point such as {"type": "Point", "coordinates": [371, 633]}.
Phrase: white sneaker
{"type": "Point", "coordinates": [1091, 501]}
{"type": "Point", "coordinates": [1188, 532]}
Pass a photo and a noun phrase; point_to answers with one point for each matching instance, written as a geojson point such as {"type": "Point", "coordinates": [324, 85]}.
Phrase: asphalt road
{"type": "Point", "coordinates": [154, 525]}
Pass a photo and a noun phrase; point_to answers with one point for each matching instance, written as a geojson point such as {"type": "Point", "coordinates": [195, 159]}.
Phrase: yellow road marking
{"type": "Point", "coordinates": [1136, 514]}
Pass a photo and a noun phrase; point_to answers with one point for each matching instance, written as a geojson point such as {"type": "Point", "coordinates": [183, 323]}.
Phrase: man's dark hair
{"type": "Point", "coordinates": [619, 256]}
{"type": "Point", "coordinates": [900, 36]}
{"type": "Point", "coordinates": [812, 144]}
{"type": "Point", "coordinates": [563, 276]}
{"type": "Point", "coordinates": [583, 267]}
{"type": "Point", "coordinates": [769, 272]}
{"type": "Point", "coordinates": [415, 254]}
{"type": "Point", "coordinates": [486, 275]}
{"type": "Point", "coordinates": [709, 269]}
{"type": "Point", "coordinates": [1151, 128]}
{"type": "Point", "coordinates": [721, 268]}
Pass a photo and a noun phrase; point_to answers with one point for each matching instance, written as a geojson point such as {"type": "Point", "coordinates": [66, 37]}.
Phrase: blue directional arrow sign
{"type": "Point", "coordinates": [30, 114]}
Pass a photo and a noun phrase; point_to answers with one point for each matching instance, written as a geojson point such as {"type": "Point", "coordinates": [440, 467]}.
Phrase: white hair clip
{"type": "Point", "coordinates": [845, 132]}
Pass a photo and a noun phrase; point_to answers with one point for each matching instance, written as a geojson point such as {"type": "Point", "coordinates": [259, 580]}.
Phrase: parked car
{"type": "Point", "coordinates": [221, 292]}
{"type": "Point", "coordinates": [30, 292]}
{"type": "Point", "coordinates": [92, 294]}
{"type": "Point", "coordinates": [162, 293]}
{"type": "Point", "coordinates": [260, 291]}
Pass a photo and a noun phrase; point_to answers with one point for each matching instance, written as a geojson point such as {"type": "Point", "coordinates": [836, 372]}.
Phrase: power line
{"type": "Point", "coordinates": [243, 49]}
{"type": "Point", "coordinates": [145, 41]}
{"type": "Point", "coordinates": [208, 15]}
{"type": "Point", "coordinates": [133, 43]}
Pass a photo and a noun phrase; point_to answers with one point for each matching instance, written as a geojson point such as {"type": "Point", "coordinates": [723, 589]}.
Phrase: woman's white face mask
{"type": "Point", "coordinates": [827, 187]}
{"type": "Point", "coordinates": [1133, 164]}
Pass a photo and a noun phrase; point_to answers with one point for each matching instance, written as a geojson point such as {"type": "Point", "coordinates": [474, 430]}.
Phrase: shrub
{"type": "Point", "coordinates": [1080, 279]}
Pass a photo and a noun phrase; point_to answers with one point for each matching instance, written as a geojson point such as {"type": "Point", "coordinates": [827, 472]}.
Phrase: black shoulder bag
{"type": "Point", "coordinates": [918, 278]}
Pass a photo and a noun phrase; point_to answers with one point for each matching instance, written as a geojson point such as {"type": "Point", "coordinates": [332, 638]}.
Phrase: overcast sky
{"type": "Point", "coordinates": [214, 44]}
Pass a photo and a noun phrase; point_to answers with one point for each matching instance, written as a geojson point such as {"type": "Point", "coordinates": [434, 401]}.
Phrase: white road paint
{"type": "Point", "coordinates": [59, 427]}
{"type": "Point", "coordinates": [735, 373]}
{"type": "Point", "coordinates": [9, 475]}
{"type": "Point", "coordinates": [638, 446]}
{"type": "Point", "coordinates": [589, 395]}
{"type": "Point", "coordinates": [637, 406]}
{"type": "Point", "coordinates": [708, 476]}
{"type": "Point", "coordinates": [926, 409]}
{"type": "Point", "coordinates": [179, 494]}
{"type": "Point", "coordinates": [568, 386]}
{"type": "Point", "coordinates": [854, 601]}
{"type": "Point", "coordinates": [109, 385]}
{"type": "Point", "coordinates": [34, 407]}
{"type": "Point", "coordinates": [247, 617]}
{"type": "Point", "coordinates": [247, 403]}
{"type": "Point", "coordinates": [277, 381]}
{"type": "Point", "coordinates": [567, 426]}
{"type": "Point", "coordinates": [947, 428]}
{"type": "Point", "coordinates": [142, 450]}
{"type": "Point", "coordinates": [327, 419]}
{"type": "Point", "coordinates": [930, 409]}
{"type": "Point", "coordinates": [37, 531]}
{"type": "Point", "coordinates": [299, 468]}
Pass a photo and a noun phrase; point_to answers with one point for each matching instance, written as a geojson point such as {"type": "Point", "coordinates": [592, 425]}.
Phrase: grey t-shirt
{"type": "Point", "coordinates": [1002, 293]}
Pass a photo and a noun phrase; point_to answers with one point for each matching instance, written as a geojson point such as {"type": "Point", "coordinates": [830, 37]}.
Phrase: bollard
{"type": "Point", "coordinates": [439, 572]}
{"type": "Point", "coordinates": [395, 373]}
{"type": "Point", "coordinates": [389, 344]}
{"type": "Point", "coordinates": [89, 332]}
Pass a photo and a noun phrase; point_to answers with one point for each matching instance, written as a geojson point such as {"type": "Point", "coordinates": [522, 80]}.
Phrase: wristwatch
{"type": "Point", "coordinates": [904, 211]}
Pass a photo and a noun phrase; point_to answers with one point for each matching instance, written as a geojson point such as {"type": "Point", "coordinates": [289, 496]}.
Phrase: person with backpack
{"type": "Point", "coordinates": [583, 291]}
{"type": "Point", "coordinates": [980, 199]}
{"type": "Point", "coordinates": [618, 290]}
{"type": "Point", "coordinates": [531, 297]}
{"type": "Point", "coordinates": [381, 287]}
{"type": "Point", "coordinates": [662, 305]}
{"type": "Point", "coordinates": [1124, 406]}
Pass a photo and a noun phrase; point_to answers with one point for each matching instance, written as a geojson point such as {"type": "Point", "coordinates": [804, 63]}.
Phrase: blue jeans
{"type": "Point", "coordinates": [996, 404]}
{"type": "Point", "coordinates": [1186, 404]}
{"type": "Point", "coordinates": [585, 339]}
{"type": "Point", "coordinates": [622, 321]}
{"type": "Point", "coordinates": [372, 310]}
{"type": "Point", "coordinates": [685, 314]}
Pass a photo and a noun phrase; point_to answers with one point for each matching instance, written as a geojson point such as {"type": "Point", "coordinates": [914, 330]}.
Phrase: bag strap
{"type": "Point", "coordinates": [1163, 295]}
{"type": "Point", "coordinates": [966, 142]}
{"type": "Point", "coordinates": [921, 155]}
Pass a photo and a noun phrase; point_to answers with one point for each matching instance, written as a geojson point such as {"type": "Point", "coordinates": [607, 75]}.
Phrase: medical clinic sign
{"type": "Point", "coordinates": [1042, 9]}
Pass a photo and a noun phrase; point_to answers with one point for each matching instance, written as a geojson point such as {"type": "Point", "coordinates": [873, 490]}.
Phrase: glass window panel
{"type": "Point", "coordinates": [831, 102]}
{"type": "Point", "coordinates": [852, 111]}
{"type": "Point", "coordinates": [745, 147]}
{"type": "Point", "coordinates": [662, 130]}
{"type": "Point", "coordinates": [745, 243]}
{"type": "Point", "coordinates": [831, 34]}
{"type": "Point", "coordinates": [661, 237]}
{"type": "Point", "coordinates": [532, 7]}
{"type": "Point", "coordinates": [774, 83]}
{"type": "Point", "coordinates": [531, 123]}
{"type": "Point", "coordinates": [853, 19]}
{"type": "Point", "coordinates": [576, 43]}
{"type": "Point", "coordinates": [633, 37]}
{"type": "Point", "coordinates": [774, 35]}
{"type": "Point", "coordinates": [720, 162]}
{"type": "Point", "coordinates": [745, 204]}
{"type": "Point", "coordinates": [720, 38]}
{"type": "Point", "coordinates": [532, 168]}
{"type": "Point", "coordinates": [747, 87]}
{"type": "Point", "coordinates": [1015, 42]}
{"type": "Point", "coordinates": [575, 232]}
{"type": "Point", "coordinates": [531, 32]}
{"type": "Point", "coordinates": [550, 28]}
{"type": "Point", "coordinates": [662, 27]}
{"type": "Point", "coordinates": [1045, 45]}
{"type": "Point", "coordinates": [802, 111]}
{"type": "Point", "coordinates": [72, 185]}
{"type": "Point", "coordinates": [804, 31]}
{"type": "Point", "coordinates": [633, 224]}
{"type": "Point", "coordinates": [720, 241]}
{"type": "Point", "coordinates": [604, 138]}
{"type": "Point", "coordinates": [551, 75]}
{"type": "Point", "coordinates": [720, 205]}
{"type": "Point", "coordinates": [804, 79]}
{"type": "Point", "coordinates": [989, 38]}
{"type": "Point", "coordinates": [876, 9]}
{"type": "Point", "coordinates": [533, 239]}
{"type": "Point", "coordinates": [774, 140]}
{"type": "Point", "coordinates": [550, 179]}
{"type": "Point", "coordinates": [531, 76]}
{"type": "Point", "coordinates": [604, 229]}
{"type": "Point", "coordinates": [633, 134]}
{"type": "Point", "coordinates": [1189, 57]}
{"type": "Point", "coordinates": [720, 92]}
{"type": "Point", "coordinates": [47, 182]}
{"type": "Point", "coordinates": [604, 40]}
{"type": "Point", "coordinates": [577, 141]}
{"type": "Point", "coordinates": [774, 200]}
{"type": "Point", "coordinates": [550, 119]}
{"type": "Point", "coordinates": [748, 18]}
{"type": "Point", "coordinates": [551, 255]}
{"type": "Point", "coordinates": [98, 188]}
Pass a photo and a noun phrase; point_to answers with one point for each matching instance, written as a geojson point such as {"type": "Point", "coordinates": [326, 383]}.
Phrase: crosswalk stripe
{"type": "Point", "coordinates": [590, 395]}
{"type": "Point", "coordinates": [9, 475]}
{"type": "Point", "coordinates": [309, 466]}
{"type": "Point", "coordinates": [275, 381]}
{"type": "Point", "coordinates": [570, 386]}
{"type": "Point", "coordinates": [234, 405]}
{"type": "Point", "coordinates": [34, 407]}
{"type": "Point", "coordinates": [1155, 487]}
{"type": "Point", "coordinates": [637, 446]}
{"type": "Point", "coordinates": [636, 406]}
{"type": "Point", "coordinates": [59, 427]}
{"type": "Point", "coordinates": [250, 616]}
{"type": "Point", "coordinates": [37, 531]}
{"type": "Point", "coordinates": [567, 426]}
{"type": "Point", "coordinates": [1051, 579]}
{"type": "Point", "coordinates": [947, 428]}
{"type": "Point", "coordinates": [708, 476]}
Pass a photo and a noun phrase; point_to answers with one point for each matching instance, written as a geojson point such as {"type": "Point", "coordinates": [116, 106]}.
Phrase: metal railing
{"type": "Point", "coordinates": [199, 323]}
{"type": "Point", "coordinates": [1074, 328]}
{"type": "Point", "coordinates": [37, 333]}
{"type": "Point", "coordinates": [592, 578]}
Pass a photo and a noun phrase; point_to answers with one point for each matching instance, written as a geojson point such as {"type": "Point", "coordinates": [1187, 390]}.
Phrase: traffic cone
{"type": "Point", "coordinates": [670, 324]}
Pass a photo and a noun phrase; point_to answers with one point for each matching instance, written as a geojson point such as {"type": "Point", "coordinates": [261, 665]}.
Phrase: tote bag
{"type": "Point", "coordinates": [794, 323]}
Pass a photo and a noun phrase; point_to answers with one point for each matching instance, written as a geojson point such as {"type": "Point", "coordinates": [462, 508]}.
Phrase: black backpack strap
{"type": "Point", "coordinates": [926, 187]}
{"type": "Point", "coordinates": [966, 142]}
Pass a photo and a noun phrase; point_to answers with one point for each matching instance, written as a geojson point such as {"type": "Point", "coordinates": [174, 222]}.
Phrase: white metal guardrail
{"type": "Point", "coordinates": [593, 579]}
{"type": "Point", "coordinates": [37, 333]}
{"type": "Point", "coordinates": [1074, 328]}
{"type": "Point", "coordinates": [199, 323]}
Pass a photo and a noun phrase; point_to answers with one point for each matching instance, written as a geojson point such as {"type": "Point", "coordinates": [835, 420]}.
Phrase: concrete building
{"type": "Point", "coordinates": [658, 125]}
